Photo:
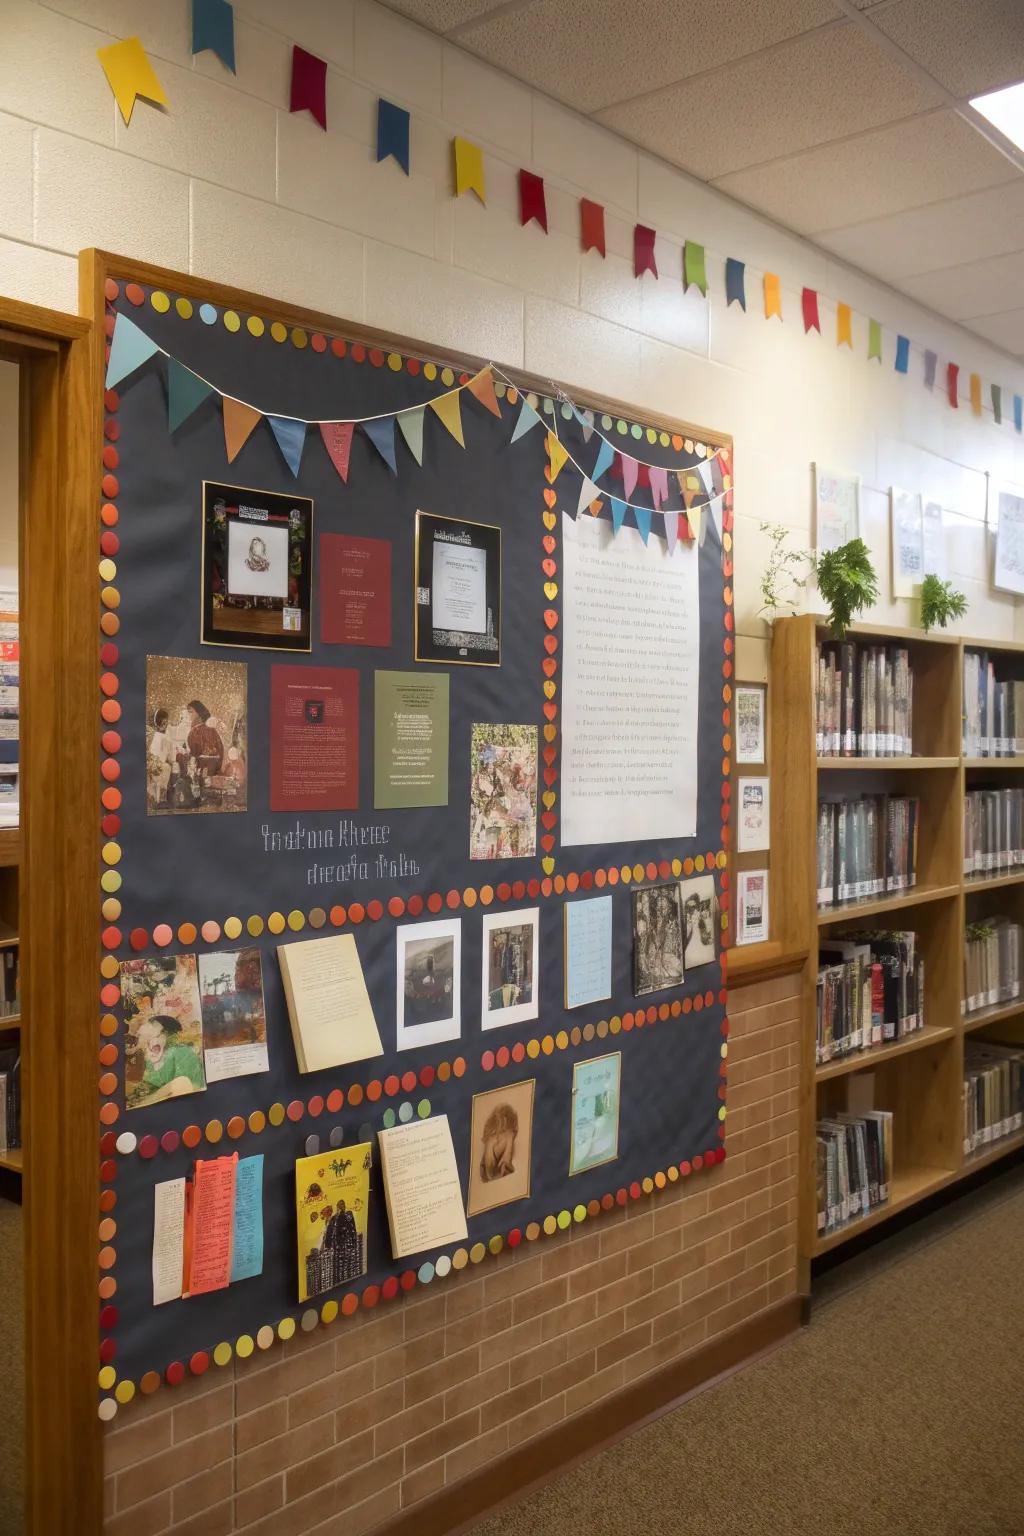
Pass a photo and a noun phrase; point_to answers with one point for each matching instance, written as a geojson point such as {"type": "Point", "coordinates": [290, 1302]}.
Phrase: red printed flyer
{"type": "Point", "coordinates": [355, 590]}
{"type": "Point", "coordinates": [314, 739]}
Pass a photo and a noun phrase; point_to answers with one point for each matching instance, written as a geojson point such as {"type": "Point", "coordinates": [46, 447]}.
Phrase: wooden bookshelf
{"type": "Point", "coordinates": [12, 1159]}
{"type": "Point", "coordinates": [920, 1077]}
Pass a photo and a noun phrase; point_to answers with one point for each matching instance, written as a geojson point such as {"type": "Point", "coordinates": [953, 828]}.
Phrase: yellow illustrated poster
{"type": "Point", "coordinates": [332, 1196]}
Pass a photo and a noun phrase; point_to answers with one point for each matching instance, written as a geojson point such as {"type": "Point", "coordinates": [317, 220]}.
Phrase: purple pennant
{"type": "Point", "coordinates": [931, 362]}
{"type": "Point", "coordinates": [630, 470]}
{"type": "Point", "coordinates": [659, 486]}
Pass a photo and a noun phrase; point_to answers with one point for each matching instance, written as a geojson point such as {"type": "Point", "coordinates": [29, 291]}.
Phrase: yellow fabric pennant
{"type": "Point", "coordinates": [844, 325]}
{"type": "Point", "coordinates": [772, 296]}
{"type": "Point", "coordinates": [469, 169]}
{"type": "Point", "coordinates": [130, 75]}
{"type": "Point", "coordinates": [448, 409]}
{"type": "Point", "coordinates": [976, 393]}
{"type": "Point", "coordinates": [557, 454]}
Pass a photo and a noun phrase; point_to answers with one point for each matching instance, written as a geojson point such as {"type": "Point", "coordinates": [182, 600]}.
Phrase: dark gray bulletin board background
{"type": "Point", "coordinates": [198, 867]}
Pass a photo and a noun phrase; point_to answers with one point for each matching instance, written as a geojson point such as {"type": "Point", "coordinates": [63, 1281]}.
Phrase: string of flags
{"type": "Point", "coordinates": [131, 347]}
{"type": "Point", "coordinates": [131, 76]}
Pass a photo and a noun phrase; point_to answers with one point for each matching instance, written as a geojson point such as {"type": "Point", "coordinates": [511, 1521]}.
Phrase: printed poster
{"type": "Point", "coordinates": [196, 736]}
{"type": "Point", "coordinates": [594, 1136]}
{"type": "Point", "coordinates": [410, 739]}
{"type": "Point", "coordinates": [164, 1030]}
{"type": "Point", "coordinates": [753, 815]}
{"type": "Point", "coordinates": [355, 590]}
{"type": "Point", "coordinates": [314, 739]}
{"type": "Point", "coordinates": [332, 1196]}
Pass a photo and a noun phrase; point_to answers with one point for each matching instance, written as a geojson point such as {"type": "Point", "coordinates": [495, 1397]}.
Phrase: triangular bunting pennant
{"type": "Point", "coordinates": [643, 522]}
{"type": "Point", "coordinates": [630, 470]}
{"type": "Point", "coordinates": [735, 283]}
{"type": "Point", "coordinates": [240, 420]}
{"type": "Point", "coordinates": [671, 530]}
{"type": "Point", "coordinates": [592, 226]}
{"type": "Point", "coordinates": [129, 349]}
{"type": "Point", "coordinates": [557, 454]}
{"type": "Point", "coordinates": [213, 27]}
{"type": "Point", "coordinates": [532, 204]}
{"type": "Point", "coordinates": [643, 250]}
{"type": "Point", "coordinates": [481, 387]}
{"type": "Point", "coordinates": [528, 419]}
{"type": "Point", "coordinates": [448, 410]}
{"type": "Point", "coordinates": [975, 390]}
{"type": "Point", "coordinates": [381, 433]}
{"type": "Point", "coordinates": [953, 385]}
{"type": "Point", "coordinates": [618, 513]}
{"type": "Point", "coordinates": [186, 392]}
{"type": "Point", "coordinates": [588, 493]}
{"type": "Point", "coordinates": [337, 436]}
{"type": "Point", "coordinates": [680, 475]}
{"type": "Point", "coordinates": [605, 458]}
{"type": "Point", "coordinates": [291, 439]}
{"type": "Point", "coordinates": [130, 75]}
{"type": "Point", "coordinates": [410, 424]}
{"type": "Point", "coordinates": [772, 296]}
{"type": "Point", "coordinates": [695, 267]}
{"type": "Point", "coordinates": [586, 421]}
{"type": "Point", "coordinates": [659, 486]}
{"type": "Point", "coordinates": [704, 476]}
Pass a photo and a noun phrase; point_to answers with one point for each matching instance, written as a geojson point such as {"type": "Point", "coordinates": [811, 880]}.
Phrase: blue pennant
{"type": "Point", "coordinates": [213, 27]}
{"type": "Point", "coordinates": [643, 522]}
{"type": "Point", "coordinates": [618, 513]}
{"type": "Point", "coordinates": [129, 349]}
{"type": "Point", "coordinates": [186, 392]}
{"type": "Point", "coordinates": [902, 353]}
{"type": "Point", "coordinates": [291, 439]}
{"type": "Point", "coordinates": [393, 133]}
{"type": "Point", "coordinates": [735, 285]}
{"type": "Point", "coordinates": [605, 459]}
{"type": "Point", "coordinates": [382, 435]}
{"type": "Point", "coordinates": [528, 419]}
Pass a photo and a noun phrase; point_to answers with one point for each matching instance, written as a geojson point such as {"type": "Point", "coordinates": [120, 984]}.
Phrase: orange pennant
{"type": "Point", "coordinates": [239, 421]}
{"type": "Point", "coordinates": [482, 387]}
{"type": "Point", "coordinates": [844, 325]}
{"type": "Point", "coordinates": [976, 393]}
{"type": "Point", "coordinates": [772, 296]}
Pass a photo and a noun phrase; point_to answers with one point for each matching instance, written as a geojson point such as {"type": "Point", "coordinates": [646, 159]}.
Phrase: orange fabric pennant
{"type": "Point", "coordinates": [772, 296]}
{"type": "Point", "coordinates": [844, 325]}
{"type": "Point", "coordinates": [481, 387]}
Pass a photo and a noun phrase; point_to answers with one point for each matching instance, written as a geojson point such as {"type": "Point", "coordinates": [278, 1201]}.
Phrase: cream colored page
{"type": "Point", "coordinates": [425, 1207]}
{"type": "Point", "coordinates": [168, 1239]}
{"type": "Point", "coordinates": [335, 1016]}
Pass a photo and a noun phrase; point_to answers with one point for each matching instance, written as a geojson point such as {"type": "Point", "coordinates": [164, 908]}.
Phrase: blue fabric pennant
{"type": "Point", "coordinates": [291, 439]}
{"type": "Point", "coordinates": [186, 392]}
{"type": "Point", "coordinates": [393, 133]}
{"type": "Point", "coordinates": [528, 419]}
{"type": "Point", "coordinates": [643, 522]}
{"type": "Point", "coordinates": [1018, 413]}
{"type": "Point", "coordinates": [213, 27]}
{"type": "Point", "coordinates": [605, 459]}
{"type": "Point", "coordinates": [735, 283]}
{"type": "Point", "coordinates": [902, 354]}
{"type": "Point", "coordinates": [382, 435]}
{"type": "Point", "coordinates": [618, 513]}
{"type": "Point", "coordinates": [129, 349]}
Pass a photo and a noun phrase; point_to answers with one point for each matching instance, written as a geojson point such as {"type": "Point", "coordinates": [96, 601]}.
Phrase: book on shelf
{"type": "Point", "coordinates": [854, 1167]}
{"type": "Point", "coordinates": [993, 969]}
{"type": "Point", "coordinates": [10, 1098]}
{"type": "Point", "coordinates": [864, 697]}
{"type": "Point", "coordinates": [993, 709]}
{"type": "Point", "coordinates": [870, 991]}
{"type": "Point", "coordinates": [867, 847]}
{"type": "Point", "coordinates": [993, 1098]}
{"type": "Point", "coordinates": [993, 830]}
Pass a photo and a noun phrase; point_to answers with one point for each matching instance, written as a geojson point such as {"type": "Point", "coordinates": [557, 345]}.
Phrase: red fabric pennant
{"type": "Point", "coordinates": [337, 436]}
{"type": "Point", "coordinates": [592, 225]}
{"type": "Point", "coordinates": [953, 385]}
{"type": "Point", "coordinates": [810, 304]}
{"type": "Point", "coordinates": [309, 85]}
{"type": "Point", "coordinates": [643, 250]}
{"type": "Point", "coordinates": [531, 200]}
{"type": "Point", "coordinates": [643, 478]}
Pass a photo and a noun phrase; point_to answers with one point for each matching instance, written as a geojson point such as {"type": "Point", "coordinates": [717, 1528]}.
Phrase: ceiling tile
{"type": "Point", "coordinates": [593, 53]}
{"type": "Point", "coordinates": [824, 85]}
{"type": "Point", "coordinates": [988, 223]}
{"type": "Point", "coordinates": [1006, 330]}
{"type": "Point", "coordinates": [970, 46]}
{"type": "Point", "coordinates": [882, 172]}
{"type": "Point", "coordinates": [442, 15]}
{"type": "Point", "coordinates": [977, 288]}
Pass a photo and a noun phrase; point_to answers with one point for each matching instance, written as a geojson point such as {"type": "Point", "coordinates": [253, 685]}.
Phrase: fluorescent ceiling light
{"type": "Point", "coordinates": [1005, 111]}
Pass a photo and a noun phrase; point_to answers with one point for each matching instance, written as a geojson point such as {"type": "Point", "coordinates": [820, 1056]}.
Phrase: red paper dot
{"type": "Point", "coordinates": [376, 357]}
{"type": "Point", "coordinates": [374, 1090]}
{"type": "Point", "coordinates": [415, 905]}
{"type": "Point", "coordinates": [110, 938]}
{"type": "Point", "coordinates": [199, 1362]}
{"type": "Point", "coordinates": [408, 1280]}
{"type": "Point", "coordinates": [108, 1351]}
{"type": "Point", "coordinates": [371, 1296]}
{"type": "Point", "coordinates": [108, 654]}
{"type": "Point", "coordinates": [109, 486]}
{"type": "Point", "coordinates": [635, 1191]}
{"type": "Point", "coordinates": [108, 1317]}
{"type": "Point", "coordinates": [434, 902]}
{"type": "Point", "coordinates": [138, 938]}
{"type": "Point", "coordinates": [148, 1147]}
{"type": "Point", "coordinates": [109, 684]}
{"type": "Point", "coordinates": [389, 1290]}
{"type": "Point", "coordinates": [413, 366]}
{"type": "Point", "coordinates": [426, 1077]}
{"type": "Point", "coordinates": [374, 911]}
{"type": "Point", "coordinates": [358, 352]}
{"type": "Point", "coordinates": [108, 1171]}
{"type": "Point", "coordinates": [452, 900]}
{"type": "Point", "coordinates": [175, 1374]}
{"type": "Point", "coordinates": [133, 293]}
{"type": "Point", "coordinates": [169, 1141]}
{"type": "Point", "coordinates": [110, 290]}
{"type": "Point", "coordinates": [487, 1061]}
{"type": "Point", "coordinates": [338, 347]}
{"type": "Point", "coordinates": [621, 1196]}
{"type": "Point", "coordinates": [502, 1058]}
{"type": "Point", "coordinates": [337, 916]}
{"type": "Point", "coordinates": [318, 342]}
{"type": "Point", "coordinates": [504, 891]}
{"type": "Point", "coordinates": [110, 995]}
{"type": "Point", "coordinates": [111, 429]}
{"type": "Point", "coordinates": [514, 1238]}
{"type": "Point", "coordinates": [518, 1051]}
{"type": "Point", "coordinates": [335, 1100]}
{"type": "Point", "coordinates": [110, 458]}
{"type": "Point", "coordinates": [396, 906]}
{"type": "Point", "coordinates": [315, 1106]}
{"type": "Point", "coordinates": [110, 741]}
{"type": "Point", "coordinates": [587, 879]}
{"type": "Point", "coordinates": [295, 1110]}
{"type": "Point", "coordinates": [108, 1141]}
{"type": "Point", "coordinates": [392, 1084]}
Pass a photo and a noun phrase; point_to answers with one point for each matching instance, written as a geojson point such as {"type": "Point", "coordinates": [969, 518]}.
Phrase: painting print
{"type": "Point", "coordinates": [429, 967]}
{"type": "Point", "coordinates": [511, 948]}
{"type": "Point", "coordinates": [700, 919]}
{"type": "Point", "coordinates": [503, 792]}
{"type": "Point", "coordinates": [657, 939]}
{"type": "Point", "coordinates": [501, 1141]}
{"type": "Point", "coordinates": [332, 1196]}
{"type": "Point", "coordinates": [196, 741]}
{"type": "Point", "coordinates": [164, 1031]}
{"type": "Point", "coordinates": [257, 568]}
{"type": "Point", "coordinates": [234, 1018]}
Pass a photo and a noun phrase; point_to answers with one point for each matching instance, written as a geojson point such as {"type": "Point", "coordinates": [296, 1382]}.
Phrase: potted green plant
{"type": "Point", "coordinates": [847, 582]}
{"type": "Point", "coordinates": [940, 602]}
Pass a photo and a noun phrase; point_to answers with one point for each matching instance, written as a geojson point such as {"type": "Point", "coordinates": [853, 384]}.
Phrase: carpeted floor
{"type": "Point", "coordinates": [12, 1368]}
{"type": "Point", "coordinates": [898, 1412]}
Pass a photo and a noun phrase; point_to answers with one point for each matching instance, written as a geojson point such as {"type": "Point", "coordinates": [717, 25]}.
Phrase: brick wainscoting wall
{"type": "Point", "coordinates": [364, 1419]}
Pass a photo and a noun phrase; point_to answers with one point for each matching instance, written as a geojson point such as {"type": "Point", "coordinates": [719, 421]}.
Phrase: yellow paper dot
{"type": "Point", "coordinates": [725, 1049]}
{"type": "Point", "coordinates": [110, 880]}
{"type": "Point", "coordinates": [276, 922]}
{"type": "Point", "coordinates": [254, 325]}
{"type": "Point", "coordinates": [286, 1328]}
{"type": "Point", "coordinates": [496, 1243]}
{"type": "Point", "coordinates": [329, 1311]}
{"type": "Point", "coordinates": [299, 338]}
{"type": "Point", "coordinates": [698, 863]}
{"type": "Point", "coordinates": [232, 927]}
{"type": "Point", "coordinates": [564, 1219]}
{"type": "Point", "coordinates": [278, 331]}
{"type": "Point", "coordinates": [160, 302]}
{"type": "Point", "coordinates": [550, 1225]}
{"type": "Point", "coordinates": [430, 370]}
{"type": "Point", "coordinates": [664, 439]}
{"type": "Point", "coordinates": [460, 1258]}
{"type": "Point", "coordinates": [184, 308]}
{"type": "Point", "coordinates": [222, 1353]}
{"type": "Point", "coordinates": [614, 1024]}
{"type": "Point", "coordinates": [648, 1186]}
{"type": "Point", "coordinates": [111, 853]}
{"type": "Point", "coordinates": [652, 436]}
{"type": "Point", "coordinates": [579, 1213]}
{"type": "Point", "coordinates": [275, 1114]}
{"type": "Point", "coordinates": [124, 1391]}
{"type": "Point", "coordinates": [109, 967]}
{"type": "Point", "coordinates": [244, 1346]}
{"type": "Point", "coordinates": [214, 1131]}
{"type": "Point", "coordinates": [477, 1253]}
{"type": "Point", "coordinates": [111, 909]}
{"type": "Point", "coordinates": [394, 362]}
{"type": "Point", "coordinates": [677, 867]}
{"type": "Point", "coordinates": [447, 376]}
{"type": "Point", "coordinates": [533, 1049]}
{"type": "Point", "coordinates": [561, 1039]}
{"type": "Point", "coordinates": [254, 925]}
{"type": "Point", "coordinates": [296, 920]}
{"type": "Point", "coordinates": [721, 1113]}
{"type": "Point", "coordinates": [232, 322]}
{"type": "Point", "coordinates": [106, 1378]}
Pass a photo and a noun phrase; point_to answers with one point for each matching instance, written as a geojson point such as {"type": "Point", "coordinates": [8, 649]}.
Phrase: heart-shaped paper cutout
{"type": "Point", "coordinates": [549, 690]}
{"type": "Point", "coordinates": [548, 543]}
{"type": "Point", "coordinates": [548, 798]}
{"type": "Point", "coordinates": [549, 665]}
{"type": "Point", "coordinates": [547, 842]}
{"type": "Point", "coordinates": [548, 476]}
{"type": "Point", "coordinates": [551, 644]}
{"type": "Point", "coordinates": [550, 732]}
{"type": "Point", "coordinates": [549, 519]}
{"type": "Point", "coordinates": [550, 776]}
{"type": "Point", "coordinates": [548, 567]}
{"type": "Point", "coordinates": [551, 590]}
{"type": "Point", "coordinates": [548, 818]}
{"type": "Point", "coordinates": [550, 618]}
{"type": "Point", "coordinates": [547, 865]}
{"type": "Point", "coordinates": [550, 497]}
{"type": "Point", "coordinates": [550, 711]}
{"type": "Point", "coordinates": [549, 755]}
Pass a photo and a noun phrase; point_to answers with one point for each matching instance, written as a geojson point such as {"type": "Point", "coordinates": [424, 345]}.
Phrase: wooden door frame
{"type": "Point", "coordinates": [58, 920]}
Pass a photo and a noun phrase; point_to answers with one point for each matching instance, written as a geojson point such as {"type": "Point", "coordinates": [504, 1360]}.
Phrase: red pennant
{"type": "Point", "coordinates": [810, 303]}
{"type": "Point", "coordinates": [531, 200]}
{"type": "Point", "coordinates": [592, 225]}
{"type": "Point", "coordinates": [337, 436]}
{"type": "Point", "coordinates": [953, 385]}
{"type": "Point", "coordinates": [643, 477]}
{"type": "Point", "coordinates": [309, 85]}
{"type": "Point", "coordinates": [643, 250]}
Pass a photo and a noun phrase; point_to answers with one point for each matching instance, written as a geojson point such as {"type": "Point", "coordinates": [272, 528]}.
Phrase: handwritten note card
{"type": "Point", "coordinates": [212, 1224]}
{"type": "Point", "coordinates": [588, 951]}
{"type": "Point", "coordinates": [247, 1238]}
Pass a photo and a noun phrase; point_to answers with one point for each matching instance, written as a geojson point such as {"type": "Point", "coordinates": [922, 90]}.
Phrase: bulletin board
{"type": "Point", "coordinates": [217, 405]}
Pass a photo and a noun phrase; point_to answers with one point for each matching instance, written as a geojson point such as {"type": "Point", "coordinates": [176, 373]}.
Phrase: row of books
{"type": "Point", "coordinates": [870, 991]}
{"type": "Point", "coordinates": [10, 669]}
{"type": "Point", "coordinates": [864, 700]}
{"type": "Point", "coordinates": [993, 830]}
{"type": "Point", "coordinates": [854, 1166]}
{"type": "Point", "coordinates": [10, 1098]}
{"type": "Point", "coordinates": [993, 970]}
{"type": "Point", "coordinates": [993, 1092]}
{"type": "Point", "coordinates": [867, 846]}
{"type": "Point", "coordinates": [993, 711]}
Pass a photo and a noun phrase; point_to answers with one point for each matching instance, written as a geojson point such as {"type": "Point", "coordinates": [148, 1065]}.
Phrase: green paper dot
{"type": "Point", "coordinates": [606, 423]}
{"type": "Point", "coordinates": [389, 1119]}
{"type": "Point", "coordinates": [564, 1219]}
{"type": "Point", "coordinates": [620, 426]}
{"type": "Point", "coordinates": [637, 430]}
{"type": "Point", "coordinates": [423, 1108]}
{"type": "Point", "coordinates": [566, 411]}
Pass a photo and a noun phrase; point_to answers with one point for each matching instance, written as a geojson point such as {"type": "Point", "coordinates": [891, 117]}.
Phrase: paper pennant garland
{"type": "Point", "coordinates": [997, 405]}
{"type": "Point", "coordinates": [931, 362]}
{"type": "Point", "coordinates": [531, 200]}
{"type": "Point", "coordinates": [618, 513]}
{"type": "Point", "coordinates": [588, 493]}
{"type": "Point", "coordinates": [591, 225]}
{"type": "Point", "coordinates": [381, 433]}
{"type": "Point", "coordinates": [809, 303]}
{"type": "Point", "coordinates": [448, 409]}
{"type": "Point", "coordinates": [671, 530]}
{"type": "Point", "coordinates": [586, 421]}
{"type": "Point", "coordinates": [129, 349]}
{"type": "Point", "coordinates": [130, 75]}
{"type": "Point", "coordinates": [528, 419]}
{"type": "Point", "coordinates": [410, 424]}
{"type": "Point", "coordinates": [240, 420]}
{"type": "Point", "coordinates": [309, 85]}
{"type": "Point", "coordinates": [1018, 413]}
{"type": "Point", "coordinates": [902, 354]}
{"type": "Point", "coordinates": [291, 439]}
{"type": "Point", "coordinates": [481, 387]}
{"type": "Point", "coordinates": [643, 250]}
{"type": "Point", "coordinates": [557, 455]}
{"type": "Point", "coordinates": [337, 436]}
{"type": "Point", "coordinates": [976, 393]}
{"type": "Point", "coordinates": [469, 169]}
{"type": "Point", "coordinates": [630, 472]}
{"type": "Point", "coordinates": [643, 522]}
{"type": "Point", "coordinates": [186, 392]}
{"type": "Point", "coordinates": [703, 470]}
{"type": "Point", "coordinates": [605, 459]}
{"type": "Point", "coordinates": [659, 486]}
{"type": "Point", "coordinates": [695, 267]}
{"type": "Point", "coordinates": [392, 133]}
{"type": "Point", "coordinates": [874, 340]}
{"type": "Point", "coordinates": [735, 283]}
{"type": "Point", "coordinates": [213, 27]}
{"type": "Point", "coordinates": [715, 508]}
{"type": "Point", "coordinates": [772, 296]}
{"type": "Point", "coordinates": [844, 325]}
{"type": "Point", "coordinates": [953, 385]}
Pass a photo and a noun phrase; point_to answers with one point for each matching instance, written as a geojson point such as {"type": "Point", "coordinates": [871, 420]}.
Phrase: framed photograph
{"type": "Point", "coordinates": [257, 568]}
{"type": "Point", "coordinates": [836, 509]}
{"type": "Point", "coordinates": [196, 740]}
{"type": "Point", "coordinates": [750, 703]}
{"type": "Point", "coordinates": [906, 524]}
{"type": "Point", "coordinates": [503, 792]}
{"type": "Point", "coordinates": [594, 1138]}
{"type": "Point", "coordinates": [233, 1014]}
{"type": "Point", "coordinates": [751, 906]}
{"type": "Point", "coordinates": [501, 1140]}
{"type": "Point", "coordinates": [457, 598]}
{"type": "Point", "coordinates": [657, 939]}
{"type": "Point", "coordinates": [164, 1029]}
{"type": "Point", "coordinates": [588, 950]}
{"type": "Point", "coordinates": [1008, 575]}
{"type": "Point", "coordinates": [511, 967]}
{"type": "Point", "coordinates": [753, 823]}
{"type": "Point", "coordinates": [429, 964]}
{"type": "Point", "coordinates": [699, 900]}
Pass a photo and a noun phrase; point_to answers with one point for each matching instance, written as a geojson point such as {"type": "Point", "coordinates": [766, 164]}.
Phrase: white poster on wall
{"type": "Point", "coordinates": [1009, 567]}
{"type": "Point", "coordinates": [906, 521]}
{"type": "Point", "coordinates": [836, 509]}
{"type": "Point", "coordinates": [630, 686]}
{"type": "Point", "coordinates": [933, 540]}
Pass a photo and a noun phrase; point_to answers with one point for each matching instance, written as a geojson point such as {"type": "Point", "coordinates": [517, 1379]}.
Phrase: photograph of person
{"type": "Point", "coordinates": [657, 939]}
{"type": "Point", "coordinates": [700, 919]}
{"type": "Point", "coordinates": [429, 972]}
{"type": "Point", "coordinates": [501, 1139]}
{"type": "Point", "coordinates": [164, 1041]}
{"type": "Point", "coordinates": [511, 945]}
{"type": "Point", "coordinates": [503, 792]}
{"type": "Point", "coordinates": [196, 747]}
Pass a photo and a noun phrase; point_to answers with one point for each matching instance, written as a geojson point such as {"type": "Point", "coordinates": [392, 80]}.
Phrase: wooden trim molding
{"type": "Point", "coordinates": [760, 962]}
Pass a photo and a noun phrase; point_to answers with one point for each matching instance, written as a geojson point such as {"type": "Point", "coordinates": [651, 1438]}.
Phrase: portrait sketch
{"type": "Point", "coordinates": [501, 1139]}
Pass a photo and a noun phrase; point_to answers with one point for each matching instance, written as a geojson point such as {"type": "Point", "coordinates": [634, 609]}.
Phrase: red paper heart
{"type": "Point", "coordinates": [550, 498]}
{"type": "Point", "coordinates": [550, 775]}
{"type": "Point", "coordinates": [549, 666]}
{"type": "Point", "coordinates": [550, 711]}
{"type": "Point", "coordinates": [548, 542]}
{"type": "Point", "coordinates": [548, 818]}
{"type": "Point", "coordinates": [551, 644]}
{"type": "Point", "coordinates": [547, 842]}
{"type": "Point", "coordinates": [548, 567]}
{"type": "Point", "coordinates": [550, 618]}
{"type": "Point", "coordinates": [549, 755]}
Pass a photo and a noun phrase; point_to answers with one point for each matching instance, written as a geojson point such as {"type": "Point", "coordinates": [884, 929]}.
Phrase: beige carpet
{"type": "Point", "coordinates": [12, 1366]}
{"type": "Point", "coordinates": [898, 1412]}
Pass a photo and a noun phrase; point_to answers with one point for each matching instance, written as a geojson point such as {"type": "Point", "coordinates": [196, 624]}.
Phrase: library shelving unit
{"type": "Point", "coordinates": [11, 1026]}
{"type": "Point", "coordinates": [918, 1078]}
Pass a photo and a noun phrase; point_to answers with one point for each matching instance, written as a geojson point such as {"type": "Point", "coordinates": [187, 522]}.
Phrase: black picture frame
{"type": "Point", "coordinates": [257, 620]}
{"type": "Point", "coordinates": [457, 647]}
